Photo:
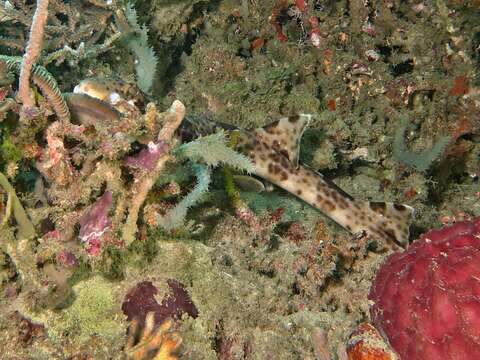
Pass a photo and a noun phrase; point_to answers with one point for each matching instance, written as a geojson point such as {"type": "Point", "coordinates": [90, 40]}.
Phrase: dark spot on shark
{"type": "Point", "coordinates": [283, 176]}
{"type": "Point", "coordinates": [342, 203]}
{"type": "Point", "coordinates": [284, 153]}
{"type": "Point", "coordinates": [271, 128]}
{"type": "Point", "coordinates": [330, 206]}
{"type": "Point", "coordinates": [399, 207]}
{"type": "Point", "coordinates": [271, 168]}
{"type": "Point", "coordinates": [274, 169]}
{"type": "Point", "coordinates": [294, 119]}
{"type": "Point", "coordinates": [378, 207]}
{"type": "Point", "coordinates": [299, 192]}
{"type": "Point", "coordinates": [284, 162]}
{"type": "Point", "coordinates": [273, 156]}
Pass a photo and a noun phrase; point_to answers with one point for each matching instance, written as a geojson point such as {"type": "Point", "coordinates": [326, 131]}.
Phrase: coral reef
{"type": "Point", "coordinates": [426, 298]}
{"type": "Point", "coordinates": [140, 302]}
{"type": "Point", "coordinates": [423, 160]}
{"type": "Point", "coordinates": [151, 340]}
{"type": "Point", "coordinates": [94, 311]}
{"type": "Point", "coordinates": [365, 343]}
{"type": "Point", "coordinates": [101, 205]}
{"type": "Point", "coordinates": [146, 61]}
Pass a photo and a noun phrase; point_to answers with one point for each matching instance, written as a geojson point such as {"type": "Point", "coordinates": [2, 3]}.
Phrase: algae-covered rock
{"type": "Point", "coordinates": [93, 323]}
{"type": "Point", "coordinates": [95, 311]}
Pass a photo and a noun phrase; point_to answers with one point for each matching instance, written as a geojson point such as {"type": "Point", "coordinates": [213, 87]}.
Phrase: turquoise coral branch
{"type": "Point", "coordinates": [421, 160]}
{"type": "Point", "coordinates": [175, 217]}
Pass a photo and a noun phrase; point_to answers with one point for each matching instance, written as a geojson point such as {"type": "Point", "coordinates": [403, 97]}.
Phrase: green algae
{"type": "Point", "coordinates": [95, 311]}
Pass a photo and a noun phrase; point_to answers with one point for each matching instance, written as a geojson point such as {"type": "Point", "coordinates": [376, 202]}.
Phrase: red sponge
{"type": "Point", "coordinates": [427, 299]}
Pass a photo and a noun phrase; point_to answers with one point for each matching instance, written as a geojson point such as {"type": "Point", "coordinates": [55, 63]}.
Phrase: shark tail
{"type": "Point", "coordinates": [392, 221]}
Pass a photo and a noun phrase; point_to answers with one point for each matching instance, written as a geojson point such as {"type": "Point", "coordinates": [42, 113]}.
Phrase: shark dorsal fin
{"type": "Point", "coordinates": [284, 135]}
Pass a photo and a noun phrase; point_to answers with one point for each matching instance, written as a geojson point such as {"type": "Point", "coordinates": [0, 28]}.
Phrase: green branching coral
{"type": "Point", "coordinates": [176, 216]}
{"type": "Point", "coordinates": [26, 229]}
{"type": "Point", "coordinates": [146, 63]}
{"type": "Point", "coordinates": [422, 160]}
{"type": "Point", "coordinates": [213, 150]}
{"type": "Point", "coordinates": [202, 154]}
{"type": "Point", "coordinates": [9, 151]}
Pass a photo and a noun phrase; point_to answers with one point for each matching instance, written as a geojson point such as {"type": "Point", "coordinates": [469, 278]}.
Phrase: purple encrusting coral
{"type": "Point", "coordinates": [67, 259]}
{"type": "Point", "coordinates": [147, 158]}
{"type": "Point", "coordinates": [95, 222]}
{"type": "Point", "coordinates": [141, 300]}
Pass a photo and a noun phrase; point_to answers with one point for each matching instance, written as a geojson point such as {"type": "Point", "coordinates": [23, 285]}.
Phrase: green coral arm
{"type": "Point", "coordinates": [421, 160]}
{"type": "Point", "coordinates": [146, 63]}
{"type": "Point", "coordinates": [26, 229]}
{"type": "Point", "coordinates": [176, 217]}
{"type": "Point", "coordinates": [213, 150]}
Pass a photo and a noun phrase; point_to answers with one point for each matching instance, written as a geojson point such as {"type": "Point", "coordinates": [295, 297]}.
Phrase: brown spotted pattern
{"type": "Point", "coordinates": [284, 135]}
{"type": "Point", "coordinates": [378, 219]}
{"type": "Point", "coordinates": [273, 150]}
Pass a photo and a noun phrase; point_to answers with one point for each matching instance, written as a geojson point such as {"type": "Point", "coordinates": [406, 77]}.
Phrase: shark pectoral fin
{"type": "Point", "coordinates": [248, 183]}
{"type": "Point", "coordinates": [284, 135]}
{"type": "Point", "coordinates": [394, 221]}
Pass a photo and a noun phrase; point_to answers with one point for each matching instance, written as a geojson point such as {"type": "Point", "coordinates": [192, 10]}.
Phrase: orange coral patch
{"type": "Point", "coordinates": [460, 86]}
{"type": "Point", "coordinates": [366, 343]}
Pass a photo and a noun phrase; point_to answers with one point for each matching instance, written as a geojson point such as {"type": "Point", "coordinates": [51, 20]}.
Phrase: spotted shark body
{"type": "Point", "coordinates": [274, 151]}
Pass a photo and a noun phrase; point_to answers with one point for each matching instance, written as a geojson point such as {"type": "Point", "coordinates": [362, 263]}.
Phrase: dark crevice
{"type": "Point", "coordinates": [176, 50]}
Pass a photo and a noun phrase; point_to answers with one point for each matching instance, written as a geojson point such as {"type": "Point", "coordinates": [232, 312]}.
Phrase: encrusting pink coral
{"type": "Point", "coordinates": [147, 158]}
{"type": "Point", "coordinates": [95, 223]}
{"type": "Point", "coordinates": [427, 299]}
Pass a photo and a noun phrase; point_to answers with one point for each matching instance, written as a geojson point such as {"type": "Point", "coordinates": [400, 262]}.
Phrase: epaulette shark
{"type": "Point", "coordinates": [274, 151]}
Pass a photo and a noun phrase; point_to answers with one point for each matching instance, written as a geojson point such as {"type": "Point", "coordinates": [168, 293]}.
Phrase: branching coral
{"type": "Point", "coordinates": [137, 40]}
{"type": "Point", "coordinates": [31, 54]}
{"type": "Point", "coordinates": [213, 151]}
{"type": "Point", "coordinates": [146, 181]}
{"type": "Point", "coordinates": [26, 229]}
{"type": "Point", "coordinates": [45, 81]}
{"type": "Point", "coordinates": [422, 160]}
{"type": "Point", "coordinates": [19, 246]}
{"type": "Point", "coordinates": [75, 30]}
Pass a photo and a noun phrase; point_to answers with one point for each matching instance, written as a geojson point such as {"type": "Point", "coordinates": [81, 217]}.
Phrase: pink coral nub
{"type": "Point", "coordinates": [427, 299]}
{"type": "Point", "coordinates": [95, 223]}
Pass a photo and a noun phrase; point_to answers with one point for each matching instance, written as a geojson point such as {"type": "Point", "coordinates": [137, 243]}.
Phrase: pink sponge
{"type": "Point", "coordinates": [427, 299]}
